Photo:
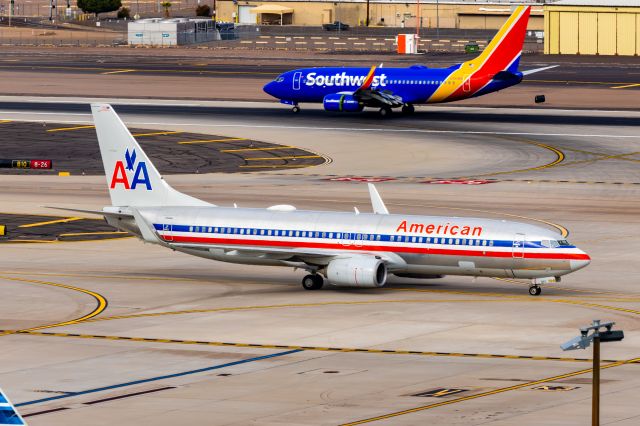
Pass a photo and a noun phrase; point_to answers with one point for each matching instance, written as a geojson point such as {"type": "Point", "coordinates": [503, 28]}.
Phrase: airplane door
{"type": "Point", "coordinates": [518, 246]}
{"type": "Point", "coordinates": [167, 229]}
{"type": "Point", "coordinates": [296, 80]}
{"type": "Point", "coordinates": [466, 86]}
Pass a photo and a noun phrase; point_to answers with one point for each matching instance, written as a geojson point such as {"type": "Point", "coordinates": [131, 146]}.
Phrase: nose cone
{"type": "Point", "coordinates": [271, 88]}
{"type": "Point", "coordinates": [582, 261]}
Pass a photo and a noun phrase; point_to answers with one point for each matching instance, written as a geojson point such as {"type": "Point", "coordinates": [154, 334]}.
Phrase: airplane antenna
{"type": "Point", "coordinates": [235, 206]}
{"type": "Point", "coordinates": [356, 210]}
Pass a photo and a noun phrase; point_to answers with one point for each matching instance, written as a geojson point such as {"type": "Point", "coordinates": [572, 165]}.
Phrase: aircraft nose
{"type": "Point", "coordinates": [580, 263]}
{"type": "Point", "coordinates": [271, 88]}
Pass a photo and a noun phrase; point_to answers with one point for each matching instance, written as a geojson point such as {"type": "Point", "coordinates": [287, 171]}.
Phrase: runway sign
{"type": "Point", "coordinates": [25, 164]}
{"type": "Point", "coordinates": [360, 179]}
{"type": "Point", "coordinates": [460, 182]}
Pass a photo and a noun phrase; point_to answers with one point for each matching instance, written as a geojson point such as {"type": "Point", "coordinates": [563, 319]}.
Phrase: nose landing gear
{"type": "Point", "coordinates": [535, 290]}
{"type": "Point", "coordinates": [295, 109]}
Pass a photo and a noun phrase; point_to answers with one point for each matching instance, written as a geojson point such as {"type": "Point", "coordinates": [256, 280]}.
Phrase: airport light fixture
{"type": "Point", "coordinates": [584, 341]}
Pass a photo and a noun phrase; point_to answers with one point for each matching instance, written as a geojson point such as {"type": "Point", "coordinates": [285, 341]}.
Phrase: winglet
{"type": "Point", "coordinates": [368, 80]}
{"type": "Point", "coordinates": [376, 201]}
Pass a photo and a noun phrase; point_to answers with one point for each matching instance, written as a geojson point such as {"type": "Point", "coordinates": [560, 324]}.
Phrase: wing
{"type": "Point", "coordinates": [372, 97]}
{"type": "Point", "coordinates": [317, 256]}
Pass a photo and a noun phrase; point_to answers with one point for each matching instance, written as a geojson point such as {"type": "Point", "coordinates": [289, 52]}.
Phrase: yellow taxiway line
{"type": "Point", "coordinates": [258, 149]}
{"type": "Point", "coordinates": [626, 86]}
{"type": "Point", "coordinates": [116, 72]}
{"type": "Point", "coordinates": [51, 222]}
{"type": "Point", "coordinates": [155, 134]}
{"type": "Point", "coordinates": [101, 303]}
{"type": "Point", "coordinates": [211, 141]}
{"type": "Point", "coordinates": [488, 393]}
{"type": "Point", "coordinates": [64, 129]}
{"type": "Point", "coordinates": [290, 157]}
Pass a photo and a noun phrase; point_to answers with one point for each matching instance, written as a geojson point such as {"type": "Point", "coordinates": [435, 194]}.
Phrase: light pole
{"type": "Point", "coordinates": [582, 342]}
{"type": "Point", "coordinates": [437, 19]}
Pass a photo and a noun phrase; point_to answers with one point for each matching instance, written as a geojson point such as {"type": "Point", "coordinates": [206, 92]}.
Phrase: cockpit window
{"type": "Point", "coordinates": [563, 243]}
{"type": "Point", "coordinates": [280, 79]}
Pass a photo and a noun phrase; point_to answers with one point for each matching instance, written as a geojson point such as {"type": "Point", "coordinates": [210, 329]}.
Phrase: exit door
{"type": "Point", "coordinates": [466, 86]}
{"type": "Point", "coordinates": [296, 80]}
{"type": "Point", "coordinates": [518, 246]}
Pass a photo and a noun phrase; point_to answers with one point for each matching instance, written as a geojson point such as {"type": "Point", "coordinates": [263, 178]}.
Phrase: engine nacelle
{"type": "Point", "coordinates": [341, 103]}
{"type": "Point", "coordinates": [357, 271]}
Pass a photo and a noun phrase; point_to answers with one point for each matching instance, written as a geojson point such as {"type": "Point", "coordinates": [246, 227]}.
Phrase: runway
{"type": "Point", "coordinates": [164, 338]}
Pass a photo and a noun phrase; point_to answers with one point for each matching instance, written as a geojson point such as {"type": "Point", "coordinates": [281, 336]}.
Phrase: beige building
{"type": "Point", "coordinates": [592, 27]}
{"type": "Point", "coordinates": [449, 14]}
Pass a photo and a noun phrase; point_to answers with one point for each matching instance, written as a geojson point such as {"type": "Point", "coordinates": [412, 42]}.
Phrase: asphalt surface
{"type": "Point", "coordinates": [74, 149]}
{"type": "Point", "coordinates": [573, 70]}
{"type": "Point", "coordinates": [122, 332]}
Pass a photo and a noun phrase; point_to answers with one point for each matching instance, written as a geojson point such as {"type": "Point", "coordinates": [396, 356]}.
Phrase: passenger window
{"type": "Point", "coordinates": [484, 242]}
{"type": "Point", "coordinates": [491, 243]}
{"type": "Point", "coordinates": [377, 237]}
{"type": "Point", "coordinates": [331, 235]}
{"type": "Point", "coordinates": [457, 241]}
{"type": "Point", "coordinates": [450, 241]}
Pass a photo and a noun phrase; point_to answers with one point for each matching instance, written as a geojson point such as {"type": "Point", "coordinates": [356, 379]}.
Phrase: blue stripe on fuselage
{"type": "Point", "coordinates": [413, 84]}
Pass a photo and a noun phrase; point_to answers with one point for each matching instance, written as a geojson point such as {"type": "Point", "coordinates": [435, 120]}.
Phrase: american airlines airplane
{"type": "Point", "coordinates": [351, 89]}
{"type": "Point", "coordinates": [349, 249]}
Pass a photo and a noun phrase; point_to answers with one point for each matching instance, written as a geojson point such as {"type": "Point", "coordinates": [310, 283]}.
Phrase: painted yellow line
{"type": "Point", "coordinates": [307, 348]}
{"type": "Point", "coordinates": [5, 121]}
{"type": "Point", "coordinates": [155, 134]}
{"type": "Point", "coordinates": [51, 222]}
{"type": "Point", "coordinates": [64, 129]}
{"type": "Point", "coordinates": [626, 86]}
{"type": "Point", "coordinates": [21, 241]}
{"type": "Point", "coordinates": [291, 305]}
{"type": "Point", "coordinates": [276, 166]}
{"type": "Point", "coordinates": [116, 72]}
{"type": "Point", "coordinates": [488, 393]}
{"type": "Point", "coordinates": [79, 234]}
{"type": "Point", "coordinates": [101, 302]}
{"type": "Point", "coordinates": [211, 141]}
{"type": "Point", "coordinates": [290, 157]}
{"type": "Point", "coordinates": [559, 158]}
{"type": "Point", "coordinates": [257, 149]}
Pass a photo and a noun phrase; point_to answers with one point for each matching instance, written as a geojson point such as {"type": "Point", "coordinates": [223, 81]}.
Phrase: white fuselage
{"type": "Point", "coordinates": [411, 245]}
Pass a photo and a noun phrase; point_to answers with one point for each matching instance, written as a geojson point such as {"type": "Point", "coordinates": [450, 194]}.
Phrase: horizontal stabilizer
{"type": "Point", "coordinates": [118, 213]}
{"type": "Point", "coordinates": [535, 70]}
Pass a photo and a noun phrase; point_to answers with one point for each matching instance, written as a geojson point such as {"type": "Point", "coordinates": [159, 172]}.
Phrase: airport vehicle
{"type": "Point", "coordinates": [351, 249]}
{"type": "Point", "coordinates": [335, 26]}
{"type": "Point", "coordinates": [351, 89]}
{"type": "Point", "coordinates": [8, 413]}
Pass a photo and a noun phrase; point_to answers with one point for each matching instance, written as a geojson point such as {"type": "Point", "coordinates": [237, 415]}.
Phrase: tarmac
{"type": "Point", "coordinates": [116, 331]}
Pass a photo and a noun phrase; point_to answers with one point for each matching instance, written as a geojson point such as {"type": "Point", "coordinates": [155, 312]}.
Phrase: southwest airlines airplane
{"type": "Point", "coordinates": [350, 249]}
{"type": "Point", "coordinates": [352, 89]}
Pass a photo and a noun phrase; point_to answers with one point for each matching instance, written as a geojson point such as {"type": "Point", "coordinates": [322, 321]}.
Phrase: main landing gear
{"type": "Point", "coordinates": [295, 109]}
{"type": "Point", "coordinates": [408, 109]}
{"type": "Point", "coordinates": [312, 282]}
{"type": "Point", "coordinates": [384, 112]}
{"type": "Point", "coordinates": [535, 290]}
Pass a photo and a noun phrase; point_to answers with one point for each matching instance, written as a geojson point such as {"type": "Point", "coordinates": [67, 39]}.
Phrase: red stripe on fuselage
{"type": "Point", "coordinates": [375, 248]}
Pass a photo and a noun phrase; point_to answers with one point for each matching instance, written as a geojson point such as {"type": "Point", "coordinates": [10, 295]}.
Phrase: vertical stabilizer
{"type": "Point", "coordinates": [502, 54]}
{"type": "Point", "coordinates": [132, 178]}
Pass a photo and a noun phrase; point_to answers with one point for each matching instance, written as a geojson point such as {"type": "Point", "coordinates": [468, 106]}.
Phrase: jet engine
{"type": "Point", "coordinates": [357, 271]}
{"type": "Point", "coordinates": [342, 103]}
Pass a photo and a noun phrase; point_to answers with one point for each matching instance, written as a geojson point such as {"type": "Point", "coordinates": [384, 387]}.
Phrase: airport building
{"type": "Point", "coordinates": [391, 13]}
{"type": "Point", "coordinates": [592, 27]}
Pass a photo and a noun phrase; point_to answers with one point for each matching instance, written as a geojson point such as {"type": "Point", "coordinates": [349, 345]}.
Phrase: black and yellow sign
{"type": "Point", "coordinates": [441, 392]}
{"type": "Point", "coordinates": [549, 388]}
{"type": "Point", "coordinates": [3, 230]}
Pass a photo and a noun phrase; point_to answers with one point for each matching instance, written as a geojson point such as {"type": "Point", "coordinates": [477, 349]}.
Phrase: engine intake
{"type": "Point", "coordinates": [341, 103]}
{"type": "Point", "coordinates": [357, 271]}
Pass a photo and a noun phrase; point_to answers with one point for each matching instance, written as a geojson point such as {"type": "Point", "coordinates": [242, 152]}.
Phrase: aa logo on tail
{"type": "Point", "coordinates": [139, 171]}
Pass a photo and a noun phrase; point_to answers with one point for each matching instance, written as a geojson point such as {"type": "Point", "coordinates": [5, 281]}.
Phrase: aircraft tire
{"type": "Point", "coordinates": [384, 112]}
{"type": "Point", "coordinates": [295, 109]}
{"type": "Point", "coordinates": [312, 282]}
{"type": "Point", "coordinates": [535, 290]}
{"type": "Point", "coordinates": [408, 109]}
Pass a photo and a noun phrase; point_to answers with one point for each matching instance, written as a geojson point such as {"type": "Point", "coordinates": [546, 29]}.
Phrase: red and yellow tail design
{"type": "Point", "coordinates": [499, 55]}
